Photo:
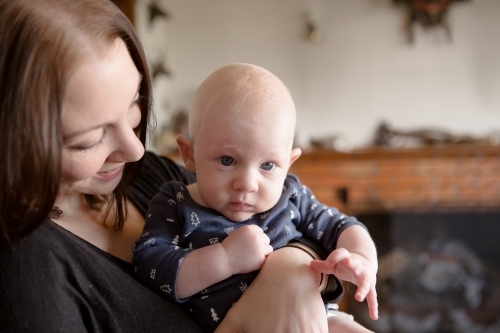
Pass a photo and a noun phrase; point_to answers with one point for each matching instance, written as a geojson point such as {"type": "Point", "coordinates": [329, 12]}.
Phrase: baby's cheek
{"type": "Point", "coordinates": [273, 196]}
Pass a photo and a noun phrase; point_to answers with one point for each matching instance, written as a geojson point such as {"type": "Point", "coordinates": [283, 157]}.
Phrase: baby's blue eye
{"type": "Point", "coordinates": [268, 166]}
{"type": "Point", "coordinates": [226, 161]}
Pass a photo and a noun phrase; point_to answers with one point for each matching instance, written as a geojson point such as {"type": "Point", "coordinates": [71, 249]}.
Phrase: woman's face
{"type": "Point", "coordinates": [99, 114]}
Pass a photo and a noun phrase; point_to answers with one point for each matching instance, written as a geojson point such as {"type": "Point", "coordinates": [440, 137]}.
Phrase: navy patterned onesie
{"type": "Point", "coordinates": [176, 224]}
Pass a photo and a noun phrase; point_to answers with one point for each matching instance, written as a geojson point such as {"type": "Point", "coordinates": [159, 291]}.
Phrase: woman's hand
{"type": "Point", "coordinates": [283, 298]}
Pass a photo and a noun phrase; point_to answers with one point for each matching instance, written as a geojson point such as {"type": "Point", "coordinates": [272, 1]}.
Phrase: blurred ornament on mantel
{"type": "Point", "coordinates": [332, 142]}
{"type": "Point", "coordinates": [386, 136]}
{"type": "Point", "coordinates": [429, 13]}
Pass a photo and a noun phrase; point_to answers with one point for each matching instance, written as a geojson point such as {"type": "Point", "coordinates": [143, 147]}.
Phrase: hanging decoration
{"type": "Point", "coordinates": [313, 34]}
{"type": "Point", "coordinates": [427, 13]}
{"type": "Point", "coordinates": [156, 12]}
{"type": "Point", "coordinates": [159, 68]}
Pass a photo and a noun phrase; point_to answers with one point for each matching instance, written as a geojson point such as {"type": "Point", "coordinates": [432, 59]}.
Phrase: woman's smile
{"type": "Point", "coordinates": [110, 174]}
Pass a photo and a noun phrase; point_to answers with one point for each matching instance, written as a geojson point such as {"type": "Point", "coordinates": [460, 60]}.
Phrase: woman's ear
{"type": "Point", "coordinates": [186, 148]}
{"type": "Point", "coordinates": [296, 152]}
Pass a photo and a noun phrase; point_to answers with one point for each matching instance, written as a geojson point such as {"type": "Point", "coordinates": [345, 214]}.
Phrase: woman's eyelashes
{"type": "Point", "coordinates": [93, 146]}
{"type": "Point", "coordinates": [136, 101]}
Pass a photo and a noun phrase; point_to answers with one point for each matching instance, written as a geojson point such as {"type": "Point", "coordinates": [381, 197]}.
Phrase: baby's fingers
{"type": "Point", "coordinates": [371, 299]}
{"type": "Point", "coordinates": [328, 266]}
{"type": "Point", "coordinates": [364, 287]}
{"type": "Point", "coordinates": [337, 256]}
{"type": "Point", "coordinates": [268, 249]}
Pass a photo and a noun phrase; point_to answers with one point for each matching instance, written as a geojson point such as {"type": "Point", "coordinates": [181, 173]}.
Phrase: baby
{"type": "Point", "coordinates": [204, 243]}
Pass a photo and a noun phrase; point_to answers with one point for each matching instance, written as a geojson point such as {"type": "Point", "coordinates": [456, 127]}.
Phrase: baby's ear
{"type": "Point", "coordinates": [296, 152]}
{"type": "Point", "coordinates": [186, 148]}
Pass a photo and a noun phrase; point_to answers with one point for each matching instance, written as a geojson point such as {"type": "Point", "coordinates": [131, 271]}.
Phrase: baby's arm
{"type": "Point", "coordinates": [354, 260]}
{"type": "Point", "coordinates": [243, 251]}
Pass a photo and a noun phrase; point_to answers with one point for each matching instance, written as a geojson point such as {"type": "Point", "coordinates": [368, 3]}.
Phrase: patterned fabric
{"type": "Point", "coordinates": [176, 225]}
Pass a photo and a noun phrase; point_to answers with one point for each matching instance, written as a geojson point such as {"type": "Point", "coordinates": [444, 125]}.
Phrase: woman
{"type": "Point", "coordinates": [75, 98]}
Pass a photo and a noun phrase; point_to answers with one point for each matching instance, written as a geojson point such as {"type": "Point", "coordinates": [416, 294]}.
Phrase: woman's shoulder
{"type": "Point", "coordinates": [40, 248]}
{"type": "Point", "coordinates": [47, 262]}
{"type": "Point", "coordinates": [35, 278]}
{"type": "Point", "coordinates": [53, 280]}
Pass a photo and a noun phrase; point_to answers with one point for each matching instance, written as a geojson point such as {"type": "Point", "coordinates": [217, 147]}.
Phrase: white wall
{"type": "Point", "coordinates": [362, 72]}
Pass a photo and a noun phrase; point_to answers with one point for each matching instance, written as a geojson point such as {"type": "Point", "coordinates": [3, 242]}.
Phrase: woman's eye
{"type": "Point", "coordinates": [136, 102]}
{"type": "Point", "coordinates": [268, 166]}
{"type": "Point", "coordinates": [226, 161]}
{"type": "Point", "coordinates": [93, 146]}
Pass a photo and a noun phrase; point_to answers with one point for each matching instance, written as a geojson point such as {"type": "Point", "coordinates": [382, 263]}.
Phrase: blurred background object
{"type": "Point", "coordinates": [427, 13]}
{"type": "Point", "coordinates": [362, 71]}
{"type": "Point", "coordinates": [164, 139]}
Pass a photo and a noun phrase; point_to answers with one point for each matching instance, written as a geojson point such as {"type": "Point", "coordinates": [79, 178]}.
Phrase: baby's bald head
{"type": "Point", "coordinates": [243, 90]}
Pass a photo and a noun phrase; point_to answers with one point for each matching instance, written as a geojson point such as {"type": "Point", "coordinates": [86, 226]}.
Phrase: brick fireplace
{"type": "Point", "coordinates": [434, 213]}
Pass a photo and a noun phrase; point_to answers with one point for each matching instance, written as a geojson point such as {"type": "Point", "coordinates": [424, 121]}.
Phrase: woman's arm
{"type": "Point", "coordinates": [283, 298]}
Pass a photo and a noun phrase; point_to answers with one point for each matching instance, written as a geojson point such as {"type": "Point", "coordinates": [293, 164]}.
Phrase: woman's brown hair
{"type": "Point", "coordinates": [41, 44]}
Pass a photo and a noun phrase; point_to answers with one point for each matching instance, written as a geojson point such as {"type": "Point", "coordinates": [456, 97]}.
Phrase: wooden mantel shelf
{"type": "Point", "coordinates": [386, 152]}
{"type": "Point", "coordinates": [456, 177]}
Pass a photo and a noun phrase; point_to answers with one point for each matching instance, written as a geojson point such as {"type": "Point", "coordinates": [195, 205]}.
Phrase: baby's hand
{"type": "Point", "coordinates": [356, 269]}
{"type": "Point", "coordinates": [246, 249]}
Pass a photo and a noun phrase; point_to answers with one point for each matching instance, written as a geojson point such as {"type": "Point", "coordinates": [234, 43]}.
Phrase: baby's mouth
{"type": "Point", "coordinates": [240, 206]}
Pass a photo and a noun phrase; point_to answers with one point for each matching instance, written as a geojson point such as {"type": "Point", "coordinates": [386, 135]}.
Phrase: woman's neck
{"type": "Point", "coordinates": [88, 224]}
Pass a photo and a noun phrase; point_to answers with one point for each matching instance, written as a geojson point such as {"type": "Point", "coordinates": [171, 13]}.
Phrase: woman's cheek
{"type": "Point", "coordinates": [76, 168]}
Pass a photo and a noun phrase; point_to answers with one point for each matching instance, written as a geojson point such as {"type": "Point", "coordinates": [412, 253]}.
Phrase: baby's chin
{"type": "Point", "coordinates": [239, 217]}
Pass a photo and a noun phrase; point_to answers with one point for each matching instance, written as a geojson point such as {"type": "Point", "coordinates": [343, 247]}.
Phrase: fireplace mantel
{"type": "Point", "coordinates": [384, 179]}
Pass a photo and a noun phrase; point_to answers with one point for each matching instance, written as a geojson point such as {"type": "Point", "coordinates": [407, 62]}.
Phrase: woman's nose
{"type": "Point", "coordinates": [128, 147]}
{"type": "Point", "coordinates": [246, 181]}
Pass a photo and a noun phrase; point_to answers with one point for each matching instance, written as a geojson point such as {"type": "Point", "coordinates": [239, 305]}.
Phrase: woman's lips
{"type": "Point", "coordinates": [111, 174]}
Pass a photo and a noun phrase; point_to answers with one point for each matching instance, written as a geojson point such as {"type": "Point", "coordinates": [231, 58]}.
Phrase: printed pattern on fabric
{"type": "Point", "coordinates": [176, 225]}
